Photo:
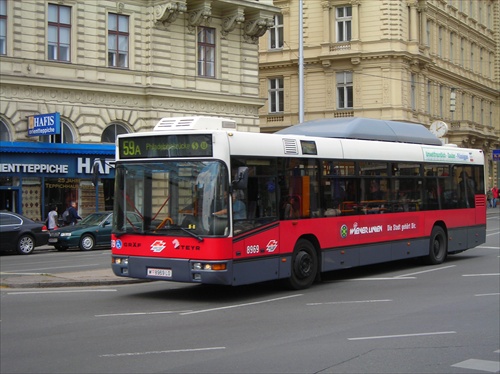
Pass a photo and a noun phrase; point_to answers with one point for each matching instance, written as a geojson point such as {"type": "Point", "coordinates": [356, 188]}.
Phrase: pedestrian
{"type": "Point", "coordinates": [52, 218]}
{"type": "Point", "coordinates": [494, 191]}
{"type": "Point", "coordinates": [489, 197]}
{"type": "Point", "coordinates": [73, 216]}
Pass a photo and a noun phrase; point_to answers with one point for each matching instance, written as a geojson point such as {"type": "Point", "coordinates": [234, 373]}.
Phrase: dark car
{"type": "Point", "coordinates": [21, 234]}
{"type": "Point", "coordinates": [91, 232]}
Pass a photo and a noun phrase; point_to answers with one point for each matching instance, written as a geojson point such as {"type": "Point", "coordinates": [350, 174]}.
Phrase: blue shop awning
{"type": "Point", "coordinates": [57, 148]}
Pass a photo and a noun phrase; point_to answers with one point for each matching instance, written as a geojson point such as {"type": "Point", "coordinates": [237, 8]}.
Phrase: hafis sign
{"type": "Point", "coordinates": [44, 124]}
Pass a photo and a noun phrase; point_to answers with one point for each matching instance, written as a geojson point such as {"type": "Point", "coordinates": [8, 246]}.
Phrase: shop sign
{"type": "Point", "coordinates": [496, 155]}
{"type": "Point", "coordinates": [44, 124]}
{"type": "Point", "coordinates": [79, 167]}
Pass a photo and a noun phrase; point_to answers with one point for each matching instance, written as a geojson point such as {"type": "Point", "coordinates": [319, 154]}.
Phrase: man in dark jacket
{"type": "Point", "coordinates": [73, 216]}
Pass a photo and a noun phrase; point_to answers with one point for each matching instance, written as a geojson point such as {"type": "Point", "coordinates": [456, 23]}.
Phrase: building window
{"type": "Point", "coordinates": [429, 97]}
{"type": "Point", "coordinates": [472, 99]}
{"type": "Point", "coordinates": [452, 37]}
{"type": "Point", "coordinates": [3, 27]}
{"type": "Point", "coordinates": [206, 52]}
{"type": "Point", "coordinates": [428, 33]}
{"type": "Point", "coordinates": [111, 132]}
{"type": "Point", "coordinates": [488, 16]}
{"type": "Point", "coordinates": [441, 100]}
{"type": "Point", "coordinates": [276, 95]}
{"type": "Point", "coordinates": [440, 41]}
{"type": "Point", "coordinates": [4, 132]}
{"type": "Point", "coordinates": [344, 90]}
{"type": "Point", "coordinates": [59, 33]}
{"type": "Point", "coordinates": [344, 18]}
{"type": "Point", "coordinates": [276, 33]}
{"type": "Point", "coordinates": [463, 106]}
{"type": "Point", "coordinates": [491, 114]}
{"type": "Point", "coordinates": [413, 92]}
{"type": "Point", "coordinates": [472, 57]}
{"type": "Point", "coordinates": [462, 52]}
{"type": "Point", "coordinates": [118, 36]}
{"type": "Point", "coordinates": [66, 135]}
{"type": "Point", "coordinates": [481, 61]}
{"type": "Point", "coordinates": [482, 113]}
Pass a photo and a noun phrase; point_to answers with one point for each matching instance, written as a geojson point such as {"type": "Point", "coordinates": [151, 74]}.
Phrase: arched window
{"type": "Point", "coordinates": [66, 135]}
{"type": "Point", "coordinates": [112, 131]}
{"type": "Point", "coordinates": [4, 132]}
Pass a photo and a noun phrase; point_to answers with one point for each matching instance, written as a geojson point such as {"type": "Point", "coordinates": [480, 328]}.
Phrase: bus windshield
{"type": "Point", "coordinates": [178, 196]}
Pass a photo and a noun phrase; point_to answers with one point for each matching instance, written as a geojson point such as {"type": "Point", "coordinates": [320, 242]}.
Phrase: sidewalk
{"type": "Point", "coordinates": [84, 278]}
{"type": "Point", "coordinates": [104, 277]}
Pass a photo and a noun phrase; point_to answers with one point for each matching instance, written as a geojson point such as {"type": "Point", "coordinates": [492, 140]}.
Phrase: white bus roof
{"type": "Point", "coordinates": [195, 123]}
{"type": "Point", "coordinates": [364, 129]}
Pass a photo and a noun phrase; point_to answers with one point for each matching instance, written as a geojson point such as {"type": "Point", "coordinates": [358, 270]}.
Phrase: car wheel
{"type": "Point", "coordinates": [87, 242]}
{"type": "Point", "coordinates": [25, 245]}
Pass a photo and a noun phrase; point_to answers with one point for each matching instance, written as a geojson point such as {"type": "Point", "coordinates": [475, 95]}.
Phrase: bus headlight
{"type": "Point", "coordinates": [209, 266]}
{"type": "Point", "coordinates": [119, 261]}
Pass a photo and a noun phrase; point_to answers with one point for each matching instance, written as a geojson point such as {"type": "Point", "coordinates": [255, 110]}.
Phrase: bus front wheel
{"type": "Point", "coordinates": [437, 247]}
{"type": "Point", "coordinates": [304, 265]}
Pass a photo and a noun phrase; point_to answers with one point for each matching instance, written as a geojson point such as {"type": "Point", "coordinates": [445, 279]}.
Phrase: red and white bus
{"type": "Point", "coordinates": [220, 206]}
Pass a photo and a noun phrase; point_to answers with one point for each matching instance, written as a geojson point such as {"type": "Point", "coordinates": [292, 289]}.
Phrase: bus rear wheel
{"type": "Point", "coordinates": [438, 247]}
{"type": "Point", "coordinates": [304, 265]}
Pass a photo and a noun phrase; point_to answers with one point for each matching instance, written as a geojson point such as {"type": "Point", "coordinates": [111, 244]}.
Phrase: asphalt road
{"type": "Point", "coordinates": [407, 320]}
{"type": "Point", "coordinates": [393, 318]}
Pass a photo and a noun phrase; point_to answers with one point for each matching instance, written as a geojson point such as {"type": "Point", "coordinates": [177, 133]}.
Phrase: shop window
{"type": "Point", "coordinates": [4, 132]}
{"type": "Point", "coordinates": [66, 135]}
{"type": "Point", "coordinates": [111, 132]}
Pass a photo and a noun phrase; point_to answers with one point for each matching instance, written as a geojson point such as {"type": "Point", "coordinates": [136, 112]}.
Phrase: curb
{"type": "Point", "coordinates": [82, 279]}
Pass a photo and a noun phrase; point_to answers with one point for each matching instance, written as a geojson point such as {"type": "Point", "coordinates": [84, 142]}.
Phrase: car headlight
{"type": "Point", "coordinates": [65, 234]}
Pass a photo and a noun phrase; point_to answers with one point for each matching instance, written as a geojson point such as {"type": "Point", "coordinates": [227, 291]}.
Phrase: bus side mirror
{"type": "Point", "coordinates": [241, 181]}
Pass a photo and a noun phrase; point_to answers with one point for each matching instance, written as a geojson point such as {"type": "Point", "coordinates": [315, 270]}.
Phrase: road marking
{"type": "Point", "coordinates": [487, 294]}
{"type": "Point", "coordinates": [403, 335]}
{"type": "Point", "coordinates": [480, 275]}
{"type": "Point", "coordinates": [57, 267]}
{"type": "Point", "coordinates": [427, 271]}
{"type": "Point", "coordinates": [61, 291]}
{"type": "Point", "coordinates": [142, 313]}
{"type": "Point", "coordinates": [240, 305]}
{"type": "Point", "coordinates": [482, 365]}
{"type": "Point", "coordinates": [349, 302]}
{"type": "Point", "coordinates": [381, 279]}
{"type": "Point", "coordinates": [161, 352]}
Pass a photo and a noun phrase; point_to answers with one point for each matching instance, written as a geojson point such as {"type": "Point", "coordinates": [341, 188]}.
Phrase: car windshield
{"type": "Point", "coordinates": [171, 196]}
{"type": "Point", "coordinates": [93, 219]}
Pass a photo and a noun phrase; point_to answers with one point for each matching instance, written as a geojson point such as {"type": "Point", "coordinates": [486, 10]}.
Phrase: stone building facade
{"type": "Point", "coordinates": [110, 67]}
{"type": "Point", "coordinates": [408, 60]}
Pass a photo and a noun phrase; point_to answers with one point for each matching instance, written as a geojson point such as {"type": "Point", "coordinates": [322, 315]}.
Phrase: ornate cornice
{"type": "Point", "coordinates": [168, 12]}
{"type": "Point", "coordinates": [229, 23]}
{"type": "Point", "coordinates": [255, 28]}
{"type": "Point", "coordinates": [200, 15]}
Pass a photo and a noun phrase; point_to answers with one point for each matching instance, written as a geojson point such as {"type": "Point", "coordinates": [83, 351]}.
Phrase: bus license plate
{"type": "Point", "coordinates": [162, 273]}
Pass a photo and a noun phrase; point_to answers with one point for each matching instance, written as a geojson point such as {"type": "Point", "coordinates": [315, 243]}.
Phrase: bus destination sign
{"type": "Point", "coordinates": [166, 146]}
